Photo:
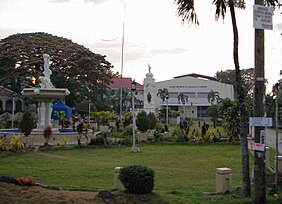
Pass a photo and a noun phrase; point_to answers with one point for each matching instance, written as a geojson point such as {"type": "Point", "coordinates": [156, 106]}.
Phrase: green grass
{"type": "Point", "coordinates": [183, 172]}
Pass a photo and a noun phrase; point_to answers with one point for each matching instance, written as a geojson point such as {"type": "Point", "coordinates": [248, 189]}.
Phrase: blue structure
{"type": "Point", "coordinates": [60, 106]}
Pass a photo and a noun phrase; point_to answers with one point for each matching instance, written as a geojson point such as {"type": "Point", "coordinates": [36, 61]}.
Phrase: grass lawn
{"type": "Point", "coordinates": [183, 172]}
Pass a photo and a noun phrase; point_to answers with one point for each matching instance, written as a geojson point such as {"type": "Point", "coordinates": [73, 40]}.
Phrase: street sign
{"type": "Point", "coordinates": [260, 121]}
{"type": "Point", "coordinates": [256, 146]}
{"type": "Point", "coordinates": [262, 17]}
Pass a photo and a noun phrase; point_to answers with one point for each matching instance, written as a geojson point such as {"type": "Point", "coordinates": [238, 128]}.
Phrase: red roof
{"type": "Point", "coordinates": [125, 82]}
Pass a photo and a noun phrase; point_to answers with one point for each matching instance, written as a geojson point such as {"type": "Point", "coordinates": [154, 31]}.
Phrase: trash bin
{"type": "Point", "coordinates": [223, 180]}
{"type": "Point", "coordinates": [117, 183]}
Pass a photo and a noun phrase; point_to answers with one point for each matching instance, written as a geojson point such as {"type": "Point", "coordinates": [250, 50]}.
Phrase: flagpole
{"type": "Point", "coordinates": [122, 57]}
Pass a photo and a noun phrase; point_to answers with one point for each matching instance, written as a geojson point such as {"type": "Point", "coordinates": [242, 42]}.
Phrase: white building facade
{"type": "Point", "coordinates": [196, 87]}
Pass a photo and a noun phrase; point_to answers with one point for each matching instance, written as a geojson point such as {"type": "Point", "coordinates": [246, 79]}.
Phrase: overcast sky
{"type": "Point", "coordinates": [154, 34]}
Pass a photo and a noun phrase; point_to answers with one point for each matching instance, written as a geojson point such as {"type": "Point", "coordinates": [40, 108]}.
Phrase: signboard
{"type": "Point", "coordinates": [256, 146]}
{"type": "Point", "coordinates": [261, 121]}
{"type": "Point", "coordinates": [262, 17]}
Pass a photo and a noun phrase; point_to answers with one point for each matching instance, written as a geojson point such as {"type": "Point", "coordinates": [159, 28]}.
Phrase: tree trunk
{"type": "Point", "coordinates": [259, 157]}
{"type": "Point", "coordinates": [240, 95]}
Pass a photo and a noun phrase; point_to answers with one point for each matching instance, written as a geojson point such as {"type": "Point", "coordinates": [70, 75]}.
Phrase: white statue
{"type": "Point", "coordinates": [45, 80]}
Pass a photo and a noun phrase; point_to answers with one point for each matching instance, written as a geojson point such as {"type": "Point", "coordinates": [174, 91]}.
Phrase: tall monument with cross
{"type": "Point", "coordinates": [149, 91]}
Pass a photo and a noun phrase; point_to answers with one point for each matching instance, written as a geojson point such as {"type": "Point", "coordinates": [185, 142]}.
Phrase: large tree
{"type": "Point", "coordinates": [186, 9]}
{"type": "Point", "coordinates": [75, 67]}
{"type": "Point", "coordinates": [228, 76]}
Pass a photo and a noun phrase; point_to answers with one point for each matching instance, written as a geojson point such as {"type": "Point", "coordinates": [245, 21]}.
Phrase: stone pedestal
{"type": "Point", "coordinates": [223, 180]}
{"type": "Point", "coordinates": [117, 183]}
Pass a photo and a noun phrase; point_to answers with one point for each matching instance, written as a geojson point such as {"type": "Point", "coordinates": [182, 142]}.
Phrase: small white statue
{"type": "Point", "coordinates": [45, 80]}
{"type": "Point", "coordinates": [149, 67]}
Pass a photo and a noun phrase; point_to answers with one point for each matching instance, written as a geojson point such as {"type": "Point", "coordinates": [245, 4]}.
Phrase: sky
{"type": "Point", "coordinates": [153, 34]}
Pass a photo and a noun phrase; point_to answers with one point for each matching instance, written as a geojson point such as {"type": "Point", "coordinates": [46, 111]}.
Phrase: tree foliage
{"type": "Point", "coordinates": [213, 96]}
{"type": "Point", "coordinates": [26, 123]}
{"type": "Point", "coordinates": [162, 93]}
{"type": "Point", "coordinates": [228, 77]}
{"type": "Point", "coordinates": [74, 67]}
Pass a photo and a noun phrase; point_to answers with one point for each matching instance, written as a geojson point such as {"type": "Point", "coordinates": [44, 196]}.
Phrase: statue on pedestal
{"type": "Point", "coordinates": [45, 81]}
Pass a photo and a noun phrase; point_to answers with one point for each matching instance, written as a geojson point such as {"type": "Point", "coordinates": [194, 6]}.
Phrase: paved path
{"type": "Point", "coordinates": [271, 139]}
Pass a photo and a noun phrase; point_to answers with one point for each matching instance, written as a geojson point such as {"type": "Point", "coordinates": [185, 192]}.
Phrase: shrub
{"type": "Point", "coordinates": [47, 133]}
{"type": "Point", "coordinates": [152, 120]}
{"type": "Point", "coordinates": [15, 143]}
{"type": "Point", "coordinates": [180, 136]}
{"type": "Point", "coordinates": [101, 139]}
{"type": "Point", "coordinates": [27, 123]}
{"type": "Point", "coordinates": [137, 179]}
{"type": "Point", "coordinates": [127, 131]}
{"type": "Point", "coordinates": [142, 121]}
{"type": "Point", "coordinates": [4, 144]}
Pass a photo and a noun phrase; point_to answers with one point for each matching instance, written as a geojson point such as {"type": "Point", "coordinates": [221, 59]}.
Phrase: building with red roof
{"type": "Point", "coordinates": [125, 82]}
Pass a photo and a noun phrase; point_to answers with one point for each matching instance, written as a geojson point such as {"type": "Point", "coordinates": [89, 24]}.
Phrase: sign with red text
{"type": "Point", "coordinates": [256, 146]}
{"type": "Point", "coordinates": [263, 17]}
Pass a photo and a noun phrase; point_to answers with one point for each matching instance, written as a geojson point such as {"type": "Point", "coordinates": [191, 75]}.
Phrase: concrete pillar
{"type": "Point", "coordinates": [223, 180]}
{"type": "Point", "coordinates": [279, 163]}
{"type": "Point", "coordinates": [117, 183]}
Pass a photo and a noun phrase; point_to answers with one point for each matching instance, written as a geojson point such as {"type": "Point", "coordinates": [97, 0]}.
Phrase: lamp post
{"type": "Point", "coordinates": [276, 138]}
{"type": "Point", "coordinates": [89, 110]}
{"type": "Point", "coordinates": [133, 89]}
{"type": "Point", "coordinates": [166, 97]}
{"type": "Point", "coordinates": [183, 110]}
{"type": "Point", "coordinates": [192, 112]}
{"type": "Point", "coordinates": [13, 109]}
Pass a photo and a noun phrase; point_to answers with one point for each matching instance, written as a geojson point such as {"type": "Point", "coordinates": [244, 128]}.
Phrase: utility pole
{"type": "Point", "coordinates": [259, 94]}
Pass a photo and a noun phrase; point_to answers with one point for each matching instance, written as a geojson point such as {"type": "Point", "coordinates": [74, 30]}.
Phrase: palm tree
{"type": "Point", "coordinates": [186, 10]}
{"type": "Point", "coordinates": [213, 96]}
{"type": "Point", "coordinates": [162, 93]}
{"type": "Point", "coordinates": [182, 98]}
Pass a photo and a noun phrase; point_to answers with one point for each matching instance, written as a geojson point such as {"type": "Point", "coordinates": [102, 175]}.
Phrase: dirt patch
{"type": "Point", "coordinates": [10, 193]}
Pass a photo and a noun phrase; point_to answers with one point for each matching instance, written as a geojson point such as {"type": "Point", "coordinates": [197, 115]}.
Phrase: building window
{"type": "Point", "coordinates": [1, 107]}
{"type": "Point", "coordinates": [173, 94]}
{"type": "Point", "coordinates": [202, 111]}
{"type": "Point", "coordinates": [203, 94]}
{"type": "Point", "coordinates": [190, 94]}
{"type": "Point", "coordinates": [9, 106]}
{"type": "Point", "coordinates": [18, 106]}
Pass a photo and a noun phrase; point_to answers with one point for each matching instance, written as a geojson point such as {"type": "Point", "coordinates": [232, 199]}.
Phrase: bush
{"type": "Point", "coordinates": [137, 179]}
{"type": "Point", "coordinates": [180, 136]}
{"type": "Point", "coordinates": [27, 123]}
{"type": "Point", "coordinates": [142, 121]}
{"type": "Point", "coordinates": [15, 143]}
{"type": "Point", "coordinates": [47, 133]}
{"type": "Point", "coordinates": [100, 140]}
{"type": "Point", "coordinates": [4, 144]}
{"type": "Point", "coordinates": [127, 131]}
{"type": "Point", "coordinates": [152, 120]}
